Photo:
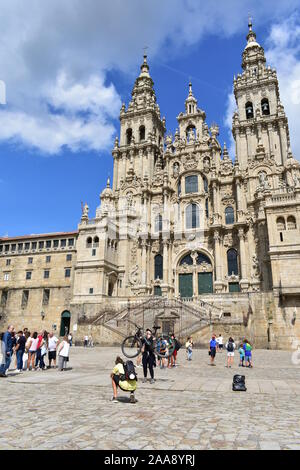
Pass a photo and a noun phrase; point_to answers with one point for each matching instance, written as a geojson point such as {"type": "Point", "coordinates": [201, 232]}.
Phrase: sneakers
{"type": "Point", "coordinates": [152, 381]}
{"type": "Point", "coordinates": [144, 381]}
{"type": "Point", "coordinates": [114, 400]}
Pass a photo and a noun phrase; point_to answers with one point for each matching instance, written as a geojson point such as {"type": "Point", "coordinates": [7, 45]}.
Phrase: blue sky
{"type": "Point", "coordinates": [66, 76]}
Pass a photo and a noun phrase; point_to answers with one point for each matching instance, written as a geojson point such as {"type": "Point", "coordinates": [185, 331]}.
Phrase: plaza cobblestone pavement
{"type": "Point", "coordinates": [191, 406]}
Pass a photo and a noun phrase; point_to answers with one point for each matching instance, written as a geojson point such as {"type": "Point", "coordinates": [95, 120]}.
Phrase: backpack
{"type": "Point", "coordinates": [177, 345]}
{"type": "Point", "coordinates": [230, 347]}
{"type": "Point", "coordinates": [238, 384]}
{"type": "Point", "coordinates": [129, 369]}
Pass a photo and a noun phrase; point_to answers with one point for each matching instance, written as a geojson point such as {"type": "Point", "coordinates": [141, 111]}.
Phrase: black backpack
{"type": "Point", "coordinates": [238, 384]}
{"type": "Point", "coordinates": [178, 345]}
{"type": "Point", "coordinates": [129, 369]}
{"type": "Point", "coordinates": [230, 347]}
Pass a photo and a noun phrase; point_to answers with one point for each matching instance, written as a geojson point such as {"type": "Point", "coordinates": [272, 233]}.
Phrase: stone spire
{"type": "Point", "coordinates": [191, 102]}
{"type": "Point", "coordinates": [253, 54]}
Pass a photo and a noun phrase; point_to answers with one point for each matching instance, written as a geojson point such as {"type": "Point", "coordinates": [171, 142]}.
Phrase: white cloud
{"type": "Point", "coordinates": [283, 53]}
{"type": "Point", "coordinates": [230, 109]}
{"type": "Point", "coordinates": [55, 55]}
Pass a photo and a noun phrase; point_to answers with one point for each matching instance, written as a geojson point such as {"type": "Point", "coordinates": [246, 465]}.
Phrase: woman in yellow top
{"type": "Point", "coordinates": [125, 385]}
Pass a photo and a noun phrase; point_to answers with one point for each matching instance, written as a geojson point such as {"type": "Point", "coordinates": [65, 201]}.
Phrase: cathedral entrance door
{"type": "Point", "coordinates": [65, 323]}
{"type": "Point", "coordinates": [205, 283]}
{"type": "Point", "coordinates": [186, 285]}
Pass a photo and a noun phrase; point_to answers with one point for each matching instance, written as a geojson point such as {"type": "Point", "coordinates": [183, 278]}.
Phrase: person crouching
{"type": "Point", "coordinates": [119, 380]}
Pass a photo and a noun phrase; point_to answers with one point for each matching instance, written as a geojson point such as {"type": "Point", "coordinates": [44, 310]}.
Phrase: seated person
{"type": "Point", "coordinates": [118, 380]}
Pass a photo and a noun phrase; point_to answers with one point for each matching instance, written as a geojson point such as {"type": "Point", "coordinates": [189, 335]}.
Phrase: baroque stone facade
{"type": "Point", "coordinates": [183, 221]}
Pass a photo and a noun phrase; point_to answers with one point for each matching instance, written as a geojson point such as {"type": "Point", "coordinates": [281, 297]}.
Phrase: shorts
{"type": "Point", "coordinates": [230, 354]}
{"type": "Point", "coordinates": [220, 346]}
{"type": "Point", "coordinates": [52, 355]}
{"type": "Point", "coordinates": [212, 352]}
{"type": "Point", "coordinates": [116, 379]}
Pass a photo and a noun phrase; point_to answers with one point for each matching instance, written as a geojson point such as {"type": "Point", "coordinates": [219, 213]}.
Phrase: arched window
{"type": "Point", "coordinates": [89, 242]}
{"type": "Point", "coordinates": [192, 216]}
{"type": "Point", "coordinates": [128, 136]}
{"type": "Point", "coordinates": [187, 260]}
{"type": "Point", "coordinates": [158, 223]}
{"type": "Point", "coordinates": [280, 223]}
{"type": "Point", "coordinates": [229, 215]}
{"type": "Point", "coordinates": [158, 267]}
{"type": "Point", "coordinates": [203, 259]}
{"type": "Point", "coordinates": [232, 262]}
{"type": "Point", "coordinates": [96, 241]}
{"type": "Point", "coordinates": [265, 107]}
{"type": "Point", "coordinates": [142, 133]}
{"type": "Point", "coordinates": [205, 184]}
{"type": "Point", "coordinates": [191, 184]}
{"type": "Point", "coordinates": [249, 110]}
{"type": "Point", "coordinates": [291, 223]}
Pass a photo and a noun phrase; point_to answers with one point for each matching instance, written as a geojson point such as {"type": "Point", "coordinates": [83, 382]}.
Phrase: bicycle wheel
{"type": "Point", "coordinates": [164, 346]}
{"type": "Point", "coordinates": [131, 347]}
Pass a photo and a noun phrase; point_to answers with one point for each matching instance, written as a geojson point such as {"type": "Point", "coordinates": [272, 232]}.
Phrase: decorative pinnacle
{"type": "Point", "coordinates": [108, 182]}
{"type": "Point", "coordinates": [250, 24]}
{"type": "Point", "coordinates": [190, 89]}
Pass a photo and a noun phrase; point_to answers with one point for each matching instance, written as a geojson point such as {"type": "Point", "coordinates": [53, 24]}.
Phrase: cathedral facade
{"type": "Point", "coordinates": [181, 221]}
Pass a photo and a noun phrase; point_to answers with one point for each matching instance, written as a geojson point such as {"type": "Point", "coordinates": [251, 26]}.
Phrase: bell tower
{"type": "Point", "coordinates": [260, 125]}
{"type": "Point", "coordinates": [142, 133]}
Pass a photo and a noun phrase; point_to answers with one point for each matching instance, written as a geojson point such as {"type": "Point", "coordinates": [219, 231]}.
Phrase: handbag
{"type": "Point", "coordinates": [209, 353]}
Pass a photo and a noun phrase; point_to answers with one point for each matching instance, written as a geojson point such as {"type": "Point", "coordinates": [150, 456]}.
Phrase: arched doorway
{"type": "Point", "coordinates": [65, 323]}
{"type": "Point", "coordinates": [195, 275]}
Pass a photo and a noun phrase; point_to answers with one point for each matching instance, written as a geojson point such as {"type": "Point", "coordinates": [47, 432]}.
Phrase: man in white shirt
{"type": "Point", "coordinates": [220, 342]}
{"type": "Point", "coordinates": [52, 345]}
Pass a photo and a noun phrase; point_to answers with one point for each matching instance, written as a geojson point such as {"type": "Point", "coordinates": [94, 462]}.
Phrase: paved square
{"type": "Point", "coordinates": [189, 407]}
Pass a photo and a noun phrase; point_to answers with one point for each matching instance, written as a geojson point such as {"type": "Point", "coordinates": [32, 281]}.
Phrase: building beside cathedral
{"type": "Point", "coordinates": [181, 223]}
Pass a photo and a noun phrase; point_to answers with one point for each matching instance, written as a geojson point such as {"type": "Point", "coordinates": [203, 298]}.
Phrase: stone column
{"type": "Point", "coordinates": [283, 142]}
{"type": "Point", "coordinates": [165, 261]}
{"type": "Point", "coordinates": [244, 283]}
{"type": "Point", "coordinates": [144, 263]}
{"type": "Point", "coordinates": [218, 263]}
{"type": "Point", "coordinates": [248, 137]}
{"type": "Point", "coordinates": [270, 135]}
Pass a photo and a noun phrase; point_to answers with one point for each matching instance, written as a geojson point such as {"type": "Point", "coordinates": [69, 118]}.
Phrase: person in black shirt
{"type": "Point", "coordinates": [20, 349]}
{"type": "Point", "coordinates": [149, 360]}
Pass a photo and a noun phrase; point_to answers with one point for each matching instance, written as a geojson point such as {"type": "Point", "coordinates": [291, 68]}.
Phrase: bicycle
{"type": "Point", "coordinates": [163, 346]}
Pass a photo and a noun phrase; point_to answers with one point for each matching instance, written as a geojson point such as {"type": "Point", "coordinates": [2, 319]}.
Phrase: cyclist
{"type": "Point", "coordinates": [149, 361]}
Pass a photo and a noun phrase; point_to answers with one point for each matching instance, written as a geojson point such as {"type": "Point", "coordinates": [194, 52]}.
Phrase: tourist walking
{"type": "Point", "coordinates": [212, 350]}
{"type": "Point", "coordinates": [20, 350]}
{"type": "Point", "coordinates": [31, 345]}
{"type": "Point", "coordinates": [63, 352]}
{"type": "Point", "coordinates": [86, 341]}
{"type": "Point", "coordinates": [242, 355]}
{"type": "Point", "coordinates": [7, 350]}
{"type": "Point", "coordinates": [44, 350]}
{"type": "Point", "coordinates": [230, 347]}
{"type": "Point", "coordinates": [70, 339]}
{"type": "Point", "coordinates": [38, 358]}
{"type": "Point", "coordinates": [189, 348]}
{"type": "Point", "coordinates": [52, 346]}
{"type": "Point", "coordinates": [149, 361]}
{"type": "Point", "coordinates": [220, 343]}
{"type": "Point", "coordinates": [172, 360]}
{"type": "Point", "coordinates": [248, 353]}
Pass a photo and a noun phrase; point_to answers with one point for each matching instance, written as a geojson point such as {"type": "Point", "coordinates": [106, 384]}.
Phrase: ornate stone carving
{"type": "Point", "coordinates": [134, 276]}
{"type": "Point", "coordinates": [190, 162]}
